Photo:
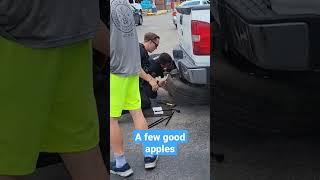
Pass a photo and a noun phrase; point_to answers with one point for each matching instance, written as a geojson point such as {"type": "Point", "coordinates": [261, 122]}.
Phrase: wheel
{"type": "Point", "coordinates": [140, 20]}
{"type": "Point", "coordinates": [184, 93]}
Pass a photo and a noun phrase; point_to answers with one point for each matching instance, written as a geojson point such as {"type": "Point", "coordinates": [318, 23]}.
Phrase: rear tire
{"type": "Point", "coordinates": [183, 93]}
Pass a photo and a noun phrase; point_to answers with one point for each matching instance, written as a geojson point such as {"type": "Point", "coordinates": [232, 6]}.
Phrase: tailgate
{"type": "Point", "coordinates": [184, 17]}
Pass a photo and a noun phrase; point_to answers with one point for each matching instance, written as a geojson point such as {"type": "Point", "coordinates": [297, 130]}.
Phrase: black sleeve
{"type": "Point", "coordinates": [155, 69]}
{"type": "Point", "coordinates": [141, 51]}
{"type": "Point", "coordinates": [144, 59]}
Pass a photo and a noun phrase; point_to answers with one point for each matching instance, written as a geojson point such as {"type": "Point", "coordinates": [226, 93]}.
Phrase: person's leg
{"type": "Point", "coordinates": [140, 123]}
{"type": "Point", "coordinates": [145, 101]}
{"type": "Point", "coordinates": [116, 139]}
{"type": "Point", "coordinates": [118, 91]}
{"type": "Point", "coordinates": [133, 104]}
{"type": "Point", "coordinates": [120, 165]}
{"type": "Point", "coordinates": [93, 168]}
{"type": "Point", "coordinates": [139, 120]}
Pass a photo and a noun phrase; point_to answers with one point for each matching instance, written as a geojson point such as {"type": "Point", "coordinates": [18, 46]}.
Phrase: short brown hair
{"type": "Point", "coordinates": [150, 36]}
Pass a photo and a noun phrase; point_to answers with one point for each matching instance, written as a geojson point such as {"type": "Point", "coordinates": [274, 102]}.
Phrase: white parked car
{"type": "Point", "coordinates": [185, 4]}
{"type": "Point", "coordinates": [136, 4]}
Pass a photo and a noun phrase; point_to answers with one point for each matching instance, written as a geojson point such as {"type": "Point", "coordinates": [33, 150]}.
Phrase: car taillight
{"type": "Point", "coordinates": [200, 37]}
{"type": "Point", "coordinates": [174, 13]}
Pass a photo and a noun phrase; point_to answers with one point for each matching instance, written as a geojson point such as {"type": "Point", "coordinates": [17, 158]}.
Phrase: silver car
{"type": "Point", "coordinates": [187, 3]}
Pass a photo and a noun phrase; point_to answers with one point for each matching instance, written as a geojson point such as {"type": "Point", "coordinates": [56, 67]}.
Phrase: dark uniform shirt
{"type": "Point", "coordinates": [155, 68]}
{"type": "Point", "coordinates": [144, 58]}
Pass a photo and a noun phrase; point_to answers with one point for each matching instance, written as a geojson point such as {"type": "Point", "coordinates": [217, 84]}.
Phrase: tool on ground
{"type": "Point", "coordinates": [176, 110]}
{"type": "Point", "coordinates": [167, 103]}
{"type": "Point", "coordinates": [161, 120]}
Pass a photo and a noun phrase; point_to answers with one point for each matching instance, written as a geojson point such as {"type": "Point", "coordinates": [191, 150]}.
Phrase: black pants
{"type": "Point", "coordinates": [146, 93]}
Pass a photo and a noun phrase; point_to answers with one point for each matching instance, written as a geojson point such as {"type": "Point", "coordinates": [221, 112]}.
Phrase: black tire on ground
{"type": "Point", "coordinates": [183, 93]}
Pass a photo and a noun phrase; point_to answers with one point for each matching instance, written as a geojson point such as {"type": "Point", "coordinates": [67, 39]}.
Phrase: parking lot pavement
{"type": "Point", "coordinates": [192, 161]}
{"type": "Point", "coordinates": [163, 26]}
{"type": "Point", "coordinates": [159, 12]}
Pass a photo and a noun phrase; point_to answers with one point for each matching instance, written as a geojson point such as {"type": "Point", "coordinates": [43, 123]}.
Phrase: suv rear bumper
{"type": "Point", "coordinates": [188, 70]}
{"type": "Point", "coordinates": [269, 40]}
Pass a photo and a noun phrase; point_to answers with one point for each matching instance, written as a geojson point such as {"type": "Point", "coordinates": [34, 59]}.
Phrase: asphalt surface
{"type": "Point", "coordinates": [161, 25]}
{"type": "Point", "coordinates": [192, 161]}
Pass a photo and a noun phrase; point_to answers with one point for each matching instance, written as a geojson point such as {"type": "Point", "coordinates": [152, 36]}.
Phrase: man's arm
{"type": "Point", "coordinates": [101, 40]}
{"type": "Point", "coordinates": [153, 82]}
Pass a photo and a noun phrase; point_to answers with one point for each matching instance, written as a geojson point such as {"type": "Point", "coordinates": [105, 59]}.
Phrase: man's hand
{"type": "Point", "coordinates": [162, 83]}
{"type": "Point", "coordinates": [153, 83]}
{"type": "Point", "coordinates": [147, 77]}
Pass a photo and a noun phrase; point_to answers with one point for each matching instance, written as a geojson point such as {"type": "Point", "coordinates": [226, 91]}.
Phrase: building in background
{"type": "Point", "coordinates": [159, 4]}
{"type": "Point", "coordinates": [166, 4]}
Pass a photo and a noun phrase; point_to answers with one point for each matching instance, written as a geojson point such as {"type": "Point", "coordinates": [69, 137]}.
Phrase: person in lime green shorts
{"type": "Point", "coordinates": [125, 70]}
{"type": "Point", "coordinates": [46, 93]}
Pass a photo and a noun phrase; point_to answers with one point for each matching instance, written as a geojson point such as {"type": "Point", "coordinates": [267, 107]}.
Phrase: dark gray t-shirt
{"type": "Point", "coordinates": [48, 23]}
{"type": "Point", "coordinates": [124, 44]}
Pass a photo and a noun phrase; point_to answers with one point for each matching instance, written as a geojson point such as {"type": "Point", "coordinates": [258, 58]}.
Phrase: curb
{"type": "Point", "coordinates": [157, 13]}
